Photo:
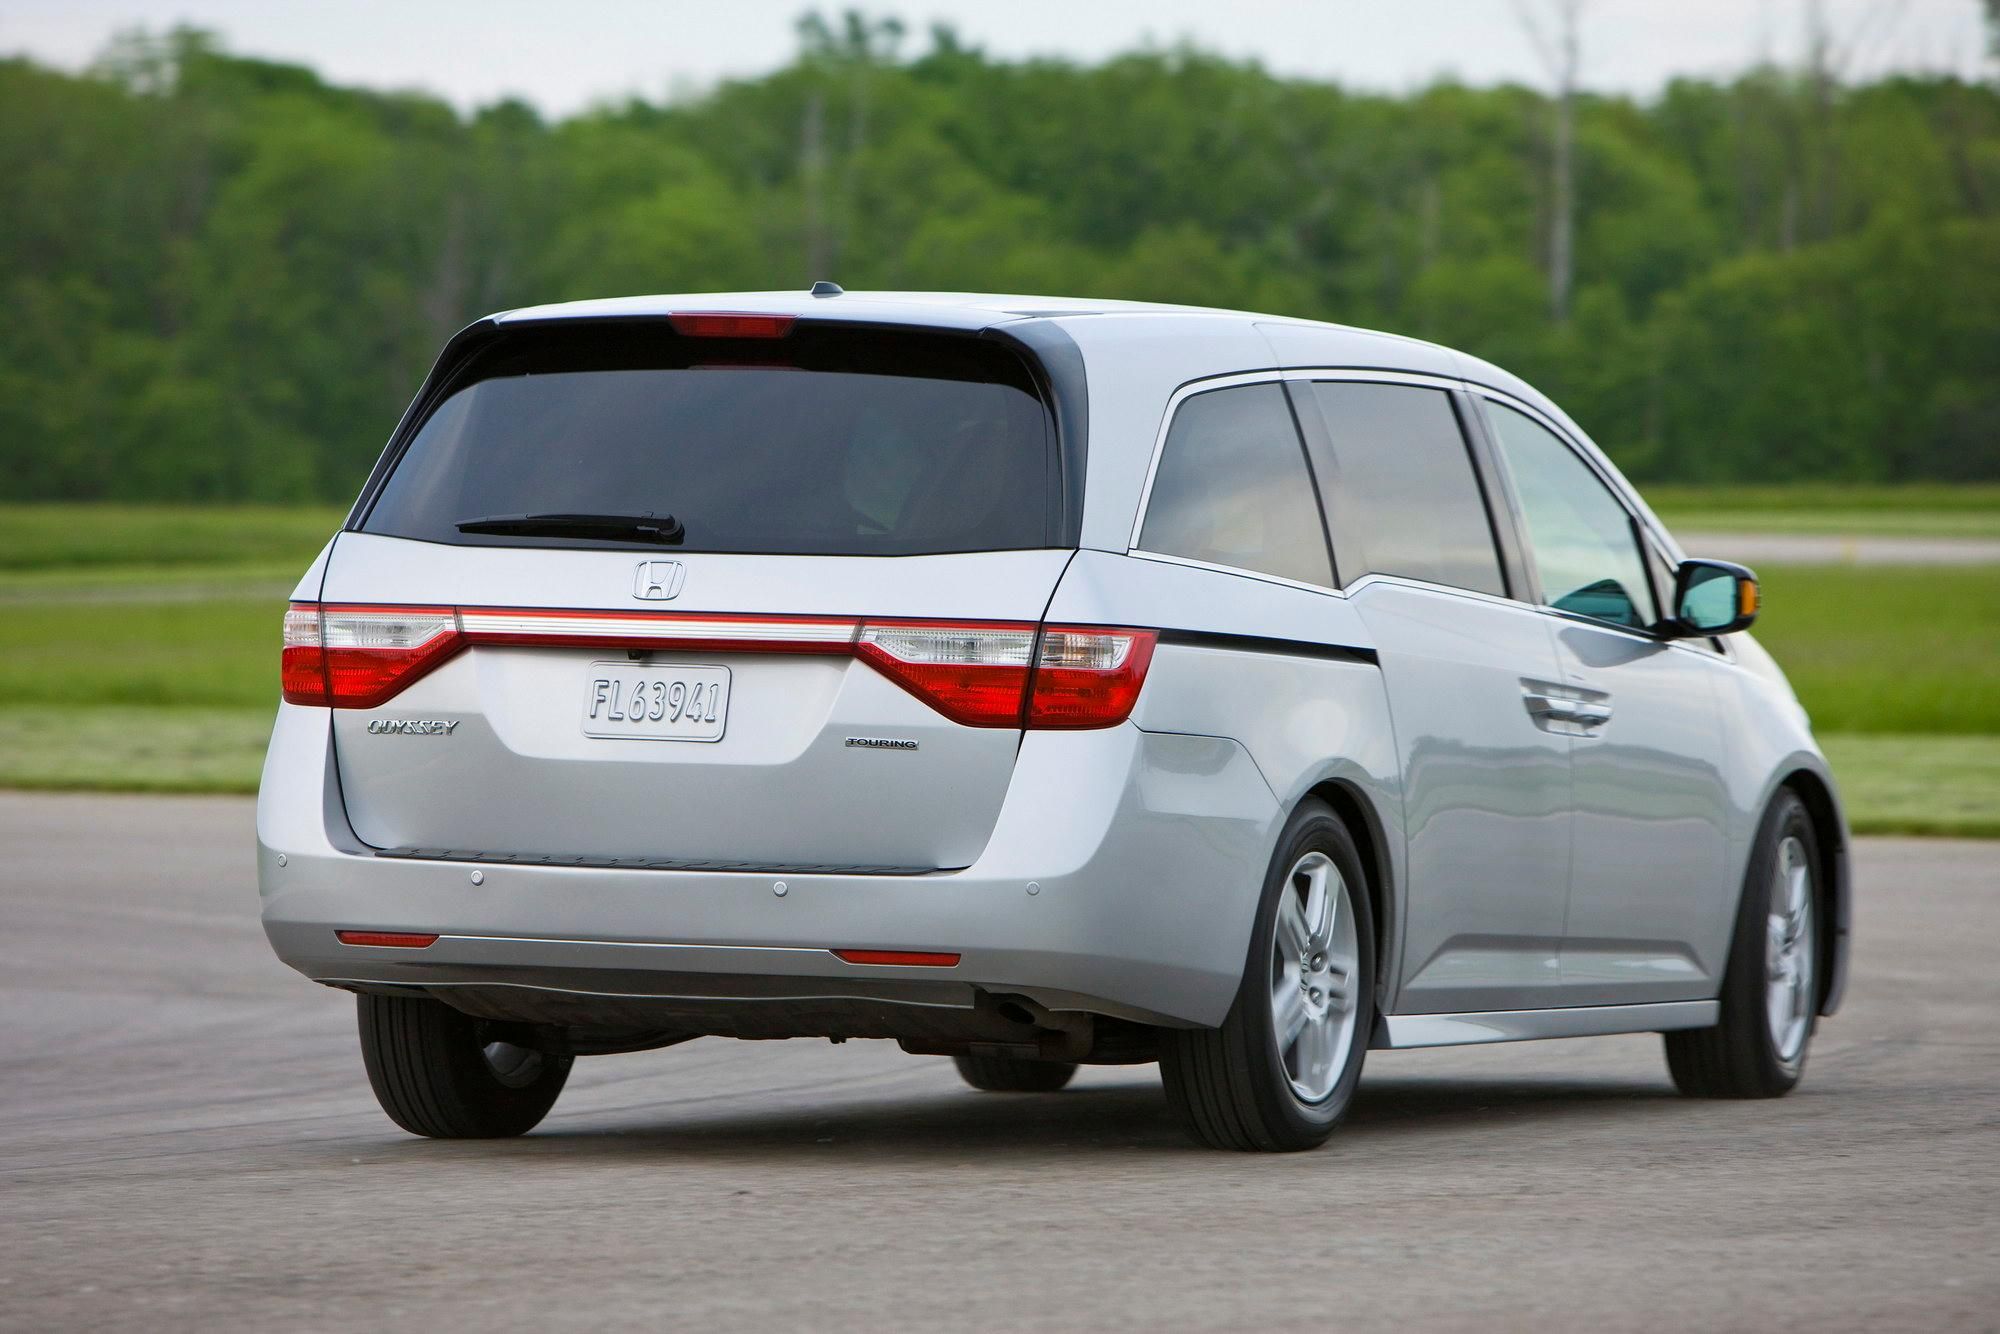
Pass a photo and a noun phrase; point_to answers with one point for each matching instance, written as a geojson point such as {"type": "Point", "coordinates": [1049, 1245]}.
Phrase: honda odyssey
{"type": "Point", "coordinates": [1036, 683]}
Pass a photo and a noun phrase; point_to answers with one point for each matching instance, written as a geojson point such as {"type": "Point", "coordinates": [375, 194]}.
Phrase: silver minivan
{"type": "Point", "coordinates": [1036, 683]}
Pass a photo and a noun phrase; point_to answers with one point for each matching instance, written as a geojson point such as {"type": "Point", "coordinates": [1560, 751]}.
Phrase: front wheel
{"type": "Point", "coordinates": [1770, 991]}
{"type": "Point", "coordinates": [436, 1075]}
{"type": "Point", "coordinates": [1280, 1072]}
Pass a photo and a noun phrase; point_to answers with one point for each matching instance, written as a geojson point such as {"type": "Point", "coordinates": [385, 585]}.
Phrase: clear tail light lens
{"type": "Point", "coordinates": [1088, 676]}
{"type": "Point", "coordinates": [974, 673]}
{"type": "Point", "coordinates": [302, 665]}
{"type": "Point", "coordinates": [355, 657]}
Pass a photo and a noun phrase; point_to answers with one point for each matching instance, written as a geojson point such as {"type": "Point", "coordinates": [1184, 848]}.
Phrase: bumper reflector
{"type": "Point", "coordinates": [401, 940]}
{"type": "Point", "coordinates": [899, 958]}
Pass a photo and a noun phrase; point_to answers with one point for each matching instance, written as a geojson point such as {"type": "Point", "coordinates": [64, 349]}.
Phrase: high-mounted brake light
{"type": "Point", "coordinates": [978, 673]}
{"type": "Point", "coordinates": [729, 324]}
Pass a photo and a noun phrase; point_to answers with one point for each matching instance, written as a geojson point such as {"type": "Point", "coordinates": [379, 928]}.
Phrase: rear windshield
{"type": "Point", "coordinates": [828, 441]}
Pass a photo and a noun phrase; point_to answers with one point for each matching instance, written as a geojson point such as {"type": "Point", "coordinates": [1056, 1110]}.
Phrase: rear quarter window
{"type": "Point", "coordinates": [1232, 488]}
{"type": "Point", "coordinates": [828, 441]}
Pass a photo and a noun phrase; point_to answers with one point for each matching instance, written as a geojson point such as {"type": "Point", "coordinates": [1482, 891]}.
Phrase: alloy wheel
{"type": "Point", "coordinates": [1789, 955]}
{"type": "Point", "coordinates": [1314, 960]}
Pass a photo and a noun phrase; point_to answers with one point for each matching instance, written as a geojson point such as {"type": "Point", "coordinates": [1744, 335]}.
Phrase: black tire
{"type": "Point", "coordinates": [1004, 1074]}
{"type": "Point", "coordinates": [1229, 1086]}
{"type": "Point", "coordinates": [1740, 1056]}
{"type": "Point", "coordinates": [432, 1073]}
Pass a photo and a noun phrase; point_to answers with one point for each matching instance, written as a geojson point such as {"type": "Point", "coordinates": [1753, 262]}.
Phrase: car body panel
{"type": "Point", "coordinates": [1488, 797]}
{"type": "Point", "coordinates": [1651, 902]}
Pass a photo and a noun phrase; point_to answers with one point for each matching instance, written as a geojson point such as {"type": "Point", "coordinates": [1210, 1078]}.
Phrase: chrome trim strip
{"type": "Point", "coordinates": [667, 628]}
{"type": "Point", "coordinates": [1363, 374]}
{"type": "Point", "coordinates": [1452, 1030]}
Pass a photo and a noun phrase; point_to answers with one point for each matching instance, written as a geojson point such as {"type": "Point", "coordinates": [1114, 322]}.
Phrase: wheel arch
{"type": "Point", "coordinates": [1364, 822]}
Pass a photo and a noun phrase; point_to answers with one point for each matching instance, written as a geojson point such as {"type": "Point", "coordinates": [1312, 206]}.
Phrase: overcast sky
{"type": "Point", "coordinates": [565, 56]}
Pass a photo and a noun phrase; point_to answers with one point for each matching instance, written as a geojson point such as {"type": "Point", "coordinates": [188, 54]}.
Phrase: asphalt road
{"type": "Point", "coordinates": [187, 1142]}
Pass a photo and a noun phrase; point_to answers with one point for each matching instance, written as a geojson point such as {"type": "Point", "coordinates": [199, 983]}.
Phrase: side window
{"type": "Point", "coordinates": [1579, 534]}
{"type": "Point", "coordinates": [1232, 488]}
{"type": "Point", "coordinates": [1407, 495]}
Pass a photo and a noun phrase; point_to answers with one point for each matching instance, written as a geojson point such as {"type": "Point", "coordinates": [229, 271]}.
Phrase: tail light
{"type": "Point", "coordinates": [1087, 676]}
{"type": "Point", "coordinates": [302, 666]}
{"type": "Point", "coordinates": [972, 673]}
{"type": "Point", "coordinates": [978, 673]}
{"type": "Point", "coordinates": [355, 657]}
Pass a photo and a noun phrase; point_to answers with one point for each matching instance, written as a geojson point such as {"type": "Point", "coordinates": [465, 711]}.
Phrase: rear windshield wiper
{"type": "Point", "coordinates": [664, 529]}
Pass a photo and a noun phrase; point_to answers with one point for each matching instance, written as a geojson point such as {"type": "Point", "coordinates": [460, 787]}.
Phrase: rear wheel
{"type": "Point", "coordinates": [435, 1075]}
{"type": "Point", "coordinates": [1770, 994]}
{"type": "Point", "coordinates": [1280, 1072]}
{"type": "Point", "coordinates": [1002, 1074]}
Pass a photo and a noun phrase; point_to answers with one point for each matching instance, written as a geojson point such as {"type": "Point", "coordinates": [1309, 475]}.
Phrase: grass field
{"type": "Point", "coordinates": [139, 648]}
{"type": "Point", "coordinates": [1888, 648]}
{"type": "Point", "coordinates": [1930, 510]}
{"type": "Point", "coordinates": [49, 538]}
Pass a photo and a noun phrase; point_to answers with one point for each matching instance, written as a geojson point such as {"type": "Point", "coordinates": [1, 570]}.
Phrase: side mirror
{"type": "Point", "coordinates": [1713, 597]}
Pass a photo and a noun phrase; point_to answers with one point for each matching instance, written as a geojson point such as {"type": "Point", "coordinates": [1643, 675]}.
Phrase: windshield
{"type": "Point", "coordinates": [827, 442]}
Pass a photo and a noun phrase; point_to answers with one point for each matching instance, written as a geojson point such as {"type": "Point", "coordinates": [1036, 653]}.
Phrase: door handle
{"type": "Point", "coordinates": [1570, 710]}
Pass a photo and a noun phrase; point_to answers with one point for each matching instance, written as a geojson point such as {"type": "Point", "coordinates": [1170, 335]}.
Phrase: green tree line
{"type": "Point", "coordinates": [221, 278]}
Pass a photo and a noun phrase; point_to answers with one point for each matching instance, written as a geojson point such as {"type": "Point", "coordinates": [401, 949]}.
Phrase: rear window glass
{"type": "Point", "coordinates": [824, 442]}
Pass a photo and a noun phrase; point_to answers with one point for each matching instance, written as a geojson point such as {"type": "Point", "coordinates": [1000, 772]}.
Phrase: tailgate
{"type": "Point", "coordinates": [742, 750]}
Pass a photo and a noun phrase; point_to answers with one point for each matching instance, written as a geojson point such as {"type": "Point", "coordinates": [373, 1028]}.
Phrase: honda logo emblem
{"type": "Point", "coordinates": [659, 580]}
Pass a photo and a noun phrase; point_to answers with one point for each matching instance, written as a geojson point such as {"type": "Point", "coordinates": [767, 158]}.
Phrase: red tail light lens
{"type": "Point", "coordinates": [355, 657]}
{"type": "Point", "coordinates": [729, 324]}
{"type": "Point", "coordinates": [1086, 676]}
{"type": "Point", "coordinates": [971, 672]}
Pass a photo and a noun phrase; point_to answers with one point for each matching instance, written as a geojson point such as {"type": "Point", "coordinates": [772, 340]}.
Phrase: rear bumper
{"type": "Point", "coordinates": [1144, 852]}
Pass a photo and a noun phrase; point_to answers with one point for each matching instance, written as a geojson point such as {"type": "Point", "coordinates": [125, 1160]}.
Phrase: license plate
{"type": "Point", "coordinates": [627, 699]}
